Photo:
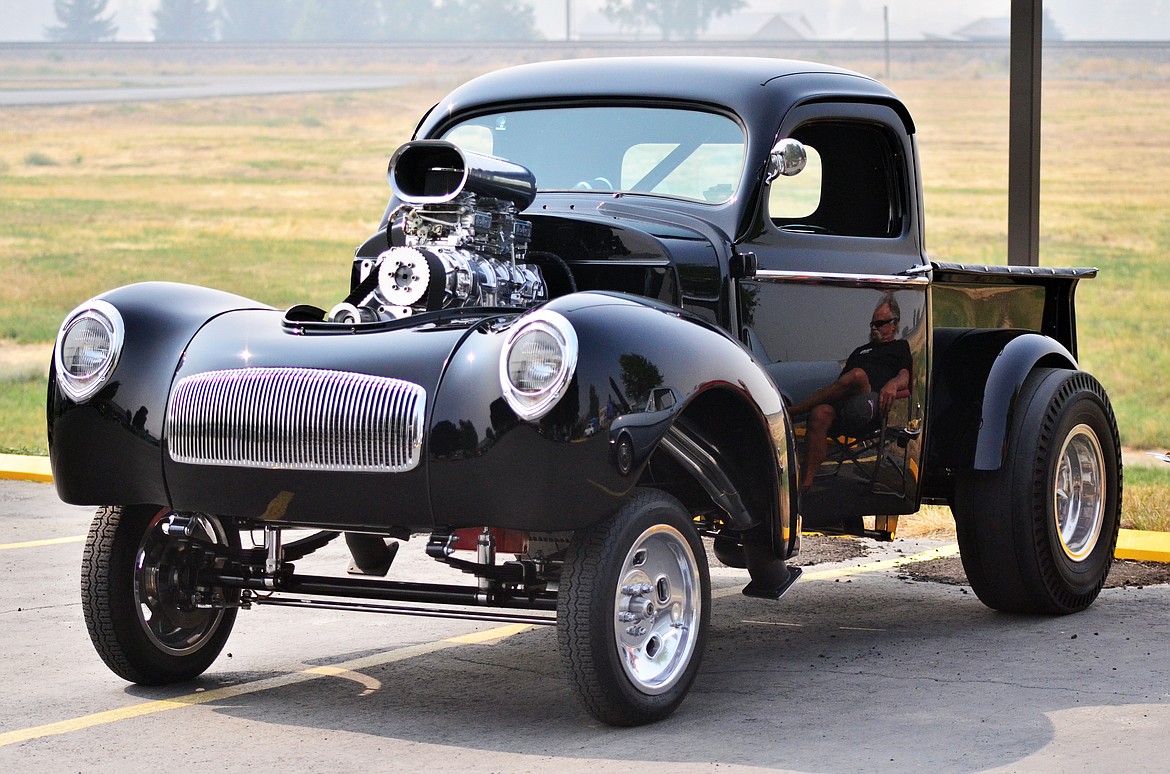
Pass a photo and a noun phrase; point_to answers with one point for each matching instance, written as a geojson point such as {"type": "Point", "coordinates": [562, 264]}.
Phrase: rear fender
{"type": "Point", "coordinates": [976, 380]}
{"type": "Point", "coordinates": [1008, 372]}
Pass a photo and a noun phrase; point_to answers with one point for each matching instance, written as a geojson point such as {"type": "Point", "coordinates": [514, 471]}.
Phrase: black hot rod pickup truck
{"type": "Point", "coordinates": [613, 308]}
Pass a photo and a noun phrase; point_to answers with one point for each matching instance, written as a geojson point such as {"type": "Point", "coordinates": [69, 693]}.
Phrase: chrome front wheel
{"type": "Point", "coordinates": [657, 609]}
{"type": "Point", "coordinates": [633, 609]}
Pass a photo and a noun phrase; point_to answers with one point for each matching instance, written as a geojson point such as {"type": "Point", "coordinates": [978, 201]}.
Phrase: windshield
{"type": "Point", "coordinates": [667, 151]}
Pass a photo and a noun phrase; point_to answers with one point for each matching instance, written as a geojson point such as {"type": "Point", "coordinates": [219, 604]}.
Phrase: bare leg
{"type": "Point", "coordinates": [821, 413]}
{"type": "Point", "coordinates": [848, 384]}
{"type": "Point", "coordinates": [816, 443]}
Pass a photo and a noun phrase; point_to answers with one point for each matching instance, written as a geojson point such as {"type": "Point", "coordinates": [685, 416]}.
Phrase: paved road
{"type": "Point", "coordinates": [856, 669]}
{"type": "Point", "coordinates": [151, 88]}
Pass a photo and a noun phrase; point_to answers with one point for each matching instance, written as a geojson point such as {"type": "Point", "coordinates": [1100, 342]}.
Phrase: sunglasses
{"type": "Point", "coordinates": [881, 323]}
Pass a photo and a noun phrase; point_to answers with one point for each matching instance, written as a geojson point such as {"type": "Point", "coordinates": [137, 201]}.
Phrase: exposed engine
{"type": "Point", "coordinates": [464, 245]}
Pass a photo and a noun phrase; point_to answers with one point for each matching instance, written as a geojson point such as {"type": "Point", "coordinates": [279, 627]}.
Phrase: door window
{"type": "Point", "coordinates": [853, 184]}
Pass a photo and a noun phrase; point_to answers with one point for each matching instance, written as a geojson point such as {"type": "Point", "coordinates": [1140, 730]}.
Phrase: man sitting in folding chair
{"type": "Point", "coordinates": [874, 375]}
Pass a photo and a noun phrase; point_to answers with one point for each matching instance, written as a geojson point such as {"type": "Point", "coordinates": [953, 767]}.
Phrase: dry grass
{"type": "Point", "coordinates": [931, 521]}
{"type": "Point", "coordinates": [1103, 203]}
{"type": "Point", "coordinates": [268, 197]}
{"type": "Point", "coordinates": [19, 362]}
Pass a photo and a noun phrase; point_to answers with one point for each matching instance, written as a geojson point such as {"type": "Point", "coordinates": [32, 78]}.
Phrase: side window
{"type": "Point", "coordinates": [853, 185]}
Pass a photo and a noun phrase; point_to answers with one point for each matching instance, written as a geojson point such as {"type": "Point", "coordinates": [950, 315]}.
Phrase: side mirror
{"type": "Point", "coordinates": [787, 159]}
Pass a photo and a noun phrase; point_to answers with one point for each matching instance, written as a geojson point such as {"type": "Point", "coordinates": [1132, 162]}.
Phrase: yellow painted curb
{"type": "Point", "coordinates": [24, 468]}
{"type": "Point", "coordinates": [1135, 544]}
{"type": "Point", "coordinates": [1143, 546]}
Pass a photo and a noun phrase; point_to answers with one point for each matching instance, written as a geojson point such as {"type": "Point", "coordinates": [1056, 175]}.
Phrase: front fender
{"type": "Point", "coordinates": [640, 365]}
{"type": "Point", "coordinates": [107, 449]}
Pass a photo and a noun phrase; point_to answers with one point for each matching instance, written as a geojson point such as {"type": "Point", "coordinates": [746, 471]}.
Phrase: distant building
{"type": "Point", "coordinates": [784, 26]}
{"type": "Point", "coordinates": [996, 28]}
{"type": "Point", "coordinates": [986, 29]}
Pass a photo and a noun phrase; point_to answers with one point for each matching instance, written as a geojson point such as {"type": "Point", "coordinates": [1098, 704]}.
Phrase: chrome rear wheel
{"type": "Point", "coordinates": [1079, 493]}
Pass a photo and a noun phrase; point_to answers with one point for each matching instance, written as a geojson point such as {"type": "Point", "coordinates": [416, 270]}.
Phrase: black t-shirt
{"type": "Point", "coordinates": [880, 360]}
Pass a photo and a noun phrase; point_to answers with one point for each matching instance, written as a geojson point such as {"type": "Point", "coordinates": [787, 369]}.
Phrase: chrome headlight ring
{"type": "Point", "coordinates": [87, 349]}
{"type": "Point", "coordinates": [537, 363]}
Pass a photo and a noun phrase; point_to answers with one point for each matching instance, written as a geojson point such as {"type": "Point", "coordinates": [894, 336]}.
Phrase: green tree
{"type": "Point", "coordinates": [257, 19]}
{"type": "Point", "coordinates": [488, 20]}
{"type": "Point", "coordinates": [639, 377]}
{"type": "Point", "coordinates": [340, 20]}
{"type": "Point", "coordinates": [411, 20]}
{"type": "Point", "coordinates": [81, 21]}
{"type": "Point", "coordinates": [459, 20]}
{"type": "Point", "coordinates": [184, 20]}
{"type": "Point", "coordinates": [1049, 28]}
{"type": "Point", "coordinates": [675, 19]}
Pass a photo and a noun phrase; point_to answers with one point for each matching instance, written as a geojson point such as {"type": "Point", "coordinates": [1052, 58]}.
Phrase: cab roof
{"type": "Point", "coordinates": [759, 90]}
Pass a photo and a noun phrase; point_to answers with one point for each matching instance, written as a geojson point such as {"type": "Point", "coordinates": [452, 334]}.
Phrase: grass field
{"type": "Point", "coordinates": [268, 197]}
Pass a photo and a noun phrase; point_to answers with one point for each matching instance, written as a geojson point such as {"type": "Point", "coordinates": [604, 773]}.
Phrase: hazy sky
{"type": "Point", "coordinates": [830, 19]}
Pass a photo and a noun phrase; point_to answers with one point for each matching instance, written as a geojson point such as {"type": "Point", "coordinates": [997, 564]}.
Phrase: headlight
{"type": "Point", "coordinates": [537, 364]}
{"type": "Point", "coordinates": [87, 348]}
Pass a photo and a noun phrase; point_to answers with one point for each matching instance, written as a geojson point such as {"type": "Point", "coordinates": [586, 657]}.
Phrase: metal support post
{"type": "Point", "coordinates": [1024, 134]}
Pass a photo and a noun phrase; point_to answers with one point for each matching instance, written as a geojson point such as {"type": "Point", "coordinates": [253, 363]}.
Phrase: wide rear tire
{"type": "Point", "coordinates": [1037, 535]}
{"type": "Point", "coordinates": [145, 617]}
{"type": "Point", "coordinates": [632, 610]}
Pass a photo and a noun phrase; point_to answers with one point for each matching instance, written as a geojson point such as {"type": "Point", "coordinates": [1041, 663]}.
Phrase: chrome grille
{"type": "Point", "coordinates": [296, 418]}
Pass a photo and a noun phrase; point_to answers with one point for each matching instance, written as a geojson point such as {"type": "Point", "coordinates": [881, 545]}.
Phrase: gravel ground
{"type": "Point", "coordinates": [1124, 573]}
{"type": "Point", "coordinates": [816, 549]}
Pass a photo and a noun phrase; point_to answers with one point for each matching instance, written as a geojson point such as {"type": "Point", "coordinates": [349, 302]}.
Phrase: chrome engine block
{"type": "Point", "coordinates": [464, 245]}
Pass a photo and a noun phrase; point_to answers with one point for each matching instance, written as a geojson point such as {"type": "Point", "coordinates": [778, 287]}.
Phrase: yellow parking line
{"type": "Point", "coordinates": [217, 694]}
{"type": "Point", "coordinates": [45, 542]}
{"type": "Point", "coordinates": [145, 708]}
{"type": "Point", "coordinates": [493, 635]}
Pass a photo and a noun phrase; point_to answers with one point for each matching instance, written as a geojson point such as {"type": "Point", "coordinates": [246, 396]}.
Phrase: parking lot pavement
{"type": "Point", "coordinates": [857, 669]}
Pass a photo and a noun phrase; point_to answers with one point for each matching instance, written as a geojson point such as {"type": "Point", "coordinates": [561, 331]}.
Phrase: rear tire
{"type": "Point", "coordinates": [1037, 535]}
{"type": "Point", "coordinates": [138, 595]}
{"type": "Point", "coordinates": [632, 610]}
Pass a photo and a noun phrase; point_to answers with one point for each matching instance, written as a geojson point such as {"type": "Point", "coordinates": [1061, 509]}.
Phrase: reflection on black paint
{"type": "Point", "coordinates": [640, 377]}
{"type": "Point", "coordinates": [455, 441]}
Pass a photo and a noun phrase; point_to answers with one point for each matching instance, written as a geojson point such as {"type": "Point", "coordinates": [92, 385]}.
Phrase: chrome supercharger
{"type": "Point", "coordinates": [464, 245]}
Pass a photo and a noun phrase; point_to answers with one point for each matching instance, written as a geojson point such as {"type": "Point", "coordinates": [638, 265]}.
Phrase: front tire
{"type": "Point", "coordinates": [633, 609]}
{"type": "Point", "coordinates": [145, 616]}
{"type": "Point", "coordinates": [1037, 535]}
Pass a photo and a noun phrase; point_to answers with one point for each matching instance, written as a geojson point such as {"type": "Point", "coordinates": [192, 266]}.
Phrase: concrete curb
{"type": "Point", "coordinates": [1131, 543]}
{"type": "Point", "coordinates": [25, 468]}
{"type": "Point", "coordinates": [1143, 546]}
